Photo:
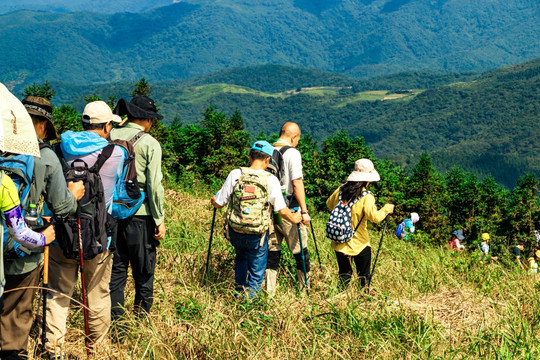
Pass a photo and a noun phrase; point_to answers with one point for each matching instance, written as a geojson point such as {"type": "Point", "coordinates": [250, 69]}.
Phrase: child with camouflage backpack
{"type": "Point", "coordinates": [251, 194]}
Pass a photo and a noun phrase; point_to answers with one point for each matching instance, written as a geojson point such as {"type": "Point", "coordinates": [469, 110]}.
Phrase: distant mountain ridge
{"type": "Point", "coordinates": [360, 38]}
{"type": "Point", "coordinates": [486, 123]}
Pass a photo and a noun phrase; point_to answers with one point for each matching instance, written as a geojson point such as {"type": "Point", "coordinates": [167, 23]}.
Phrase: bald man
{"type": "Point", "coordinates": [292, 185]}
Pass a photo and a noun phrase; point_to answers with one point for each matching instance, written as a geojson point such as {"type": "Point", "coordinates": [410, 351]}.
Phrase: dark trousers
{"type": "Point", "coordinates": [17, 316]}
{"type": "Point", "coordinates": [135, 246]}
{"type": "Point", "coordinates": [362, 262]}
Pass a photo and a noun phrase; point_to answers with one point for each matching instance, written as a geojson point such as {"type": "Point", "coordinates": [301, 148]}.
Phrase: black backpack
{"type": "Point", "coordinates": [95, 222]}
{"type": "Point", "coordinates": [276, 162]}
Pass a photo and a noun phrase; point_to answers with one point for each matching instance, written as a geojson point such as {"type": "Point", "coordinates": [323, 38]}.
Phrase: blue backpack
{"type": "Point", "coordinates": [400, 229]}
{"type": "Point", "coordinates": [128, 196]}
{"type": "Point", "coordinates": [20, 169]}
{"type": "Point", "coordinates": [339, 226]}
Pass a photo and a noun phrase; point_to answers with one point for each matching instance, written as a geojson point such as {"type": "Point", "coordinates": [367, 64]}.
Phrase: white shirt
{"type": "Point", "coordinates": [292, 163]}
{"type": "Point", "coordinates": [274, 190]}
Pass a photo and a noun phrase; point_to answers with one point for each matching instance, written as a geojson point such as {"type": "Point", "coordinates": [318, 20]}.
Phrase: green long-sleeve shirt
{"type": "Point", "coordinates": [148, 164]}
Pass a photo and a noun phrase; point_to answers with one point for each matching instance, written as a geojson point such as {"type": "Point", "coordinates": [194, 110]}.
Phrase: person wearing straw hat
{"type": "Point", "coordinates": [85, 146]}
{"type": "Point", "coordinates": [364, 209]}
{"type": "Point", "coordinates": [533, 262]}
{"type": "Point", "coordinates": [139, 235]}
{"type": "Point", "coordinates": [23, 273]}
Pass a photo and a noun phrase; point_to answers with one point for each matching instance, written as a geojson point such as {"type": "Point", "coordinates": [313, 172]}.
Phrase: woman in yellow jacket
{"type": "Point", "coordinates": [358, 249]}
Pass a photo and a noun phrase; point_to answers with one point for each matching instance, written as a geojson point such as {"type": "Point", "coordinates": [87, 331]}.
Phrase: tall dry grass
{"type": "Point", "coordinates": [423, 304]}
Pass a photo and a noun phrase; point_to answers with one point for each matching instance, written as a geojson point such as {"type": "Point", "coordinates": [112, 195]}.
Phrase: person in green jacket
{"type": "Point", "coordinates": [140, 235]}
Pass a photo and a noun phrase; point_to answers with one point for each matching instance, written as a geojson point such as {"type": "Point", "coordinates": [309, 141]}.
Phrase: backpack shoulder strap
{"type": "Point", "coordinates": [43, 145]}
{"type": "Point", "coordinates": [137, 137]}
{"type": "Point", "coordinates": [58, 151]}
{"type": "Point", "coordinates": [102, 157]}
{"type": "Point", "coordinates": [284, 148]}
{"type": "Point", "coordinates": [364, 193]}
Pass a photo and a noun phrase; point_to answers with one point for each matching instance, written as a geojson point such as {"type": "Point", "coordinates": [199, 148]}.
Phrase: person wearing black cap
{"type": "Point", "coordinates": [139, 235]}
{"type": "Point", "coordinates": [22, 273]}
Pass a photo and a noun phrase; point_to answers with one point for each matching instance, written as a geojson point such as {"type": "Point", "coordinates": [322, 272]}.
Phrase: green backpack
{"type": "Point", "coordinates": [249, 210]}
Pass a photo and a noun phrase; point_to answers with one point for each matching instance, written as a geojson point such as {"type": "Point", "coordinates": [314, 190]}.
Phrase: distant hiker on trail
{"type": "Point", "coordinates": [139, 235]}
{"type": "Point", "coordinates": [533, 262]}
{"type": "Point", "coordinates": [406, 228]}
{"type": "Point", "coordinates": [484, 248]}
{"type": "Point", "coordinates": [252, 193]}
{"type": "Point", "coordinates": [292, 186]}
{"type": "Point", "coordinates": [23, 271]}
{"type": "Point", "coordinates": [455, 240]}
{"type": "Point", "coordinates": [362, 204]}
{"type": "Point", "coordinates": [87, 152]}
{"type": "Point", "coordinates": [14, 220]}
{"type": "Point", "coordinates": [517, 251]}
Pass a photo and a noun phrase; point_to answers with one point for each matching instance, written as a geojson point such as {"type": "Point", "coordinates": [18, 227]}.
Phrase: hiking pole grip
{"type": "Point", "coordinates": [316, 247]}
{"type": "Point", "coordinates": [83, 289]}
{"type": "Point", "coordinates": [209, 245]}
{"type": "Point", "coordinates": [378, 251]}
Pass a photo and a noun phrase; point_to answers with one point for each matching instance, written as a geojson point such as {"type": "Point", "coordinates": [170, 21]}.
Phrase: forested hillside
{"type": "Point", "coordinates": [487, 123]}
{"type": "Point", "coordinates": [194, 37]}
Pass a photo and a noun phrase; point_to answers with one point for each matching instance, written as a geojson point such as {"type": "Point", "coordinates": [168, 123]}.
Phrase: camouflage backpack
{"type": "Point", "coordinates": [249, 210]}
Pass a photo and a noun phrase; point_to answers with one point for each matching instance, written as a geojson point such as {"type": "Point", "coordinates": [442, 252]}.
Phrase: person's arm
{"type": "Point", "coordinates": [275, 198]}
{"type": "Point", "coordinates": [374, 215]}
{"type": "Point", "coordinates": [9, 205]}
{"type": "Point", "coordinates": [300, 195]}
{"type": "Point", "coordinates": [60, 197]}
{"type": "Point", "coordinates": [286, 213]}
{"type": "Point", "coordinates": [154, 190]}
{"type": "Point", "coordinates": [518, 259]}
{"type": "Point", "coordinates": [23, 234]}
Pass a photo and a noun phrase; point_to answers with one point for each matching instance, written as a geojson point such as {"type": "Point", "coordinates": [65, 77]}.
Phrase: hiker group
{"type": "Point", "coordinates": [101, 189]}
{"type": "Point", "coordinates": [266, 204]}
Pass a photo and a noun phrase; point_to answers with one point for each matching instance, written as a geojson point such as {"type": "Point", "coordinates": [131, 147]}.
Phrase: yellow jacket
{"type": "Point", "coordinates": [360, 240]}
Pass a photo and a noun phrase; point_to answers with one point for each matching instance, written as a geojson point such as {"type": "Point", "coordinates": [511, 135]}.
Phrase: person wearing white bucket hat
{"type": "Point", "coordinates": [363, 208]}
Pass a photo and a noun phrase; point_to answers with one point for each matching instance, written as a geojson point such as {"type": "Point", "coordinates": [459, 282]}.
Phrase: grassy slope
{"type": "Point", "coordinates": [424, 304]}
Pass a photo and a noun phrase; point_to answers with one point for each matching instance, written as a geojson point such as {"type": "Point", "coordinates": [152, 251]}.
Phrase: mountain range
{"type": "Point", "coordinates": [486, 123]}
{"type": "Point", "coordinates": [360, 38]}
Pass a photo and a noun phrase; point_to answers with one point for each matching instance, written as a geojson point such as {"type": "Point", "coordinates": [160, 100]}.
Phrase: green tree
{"type": "Point", "coordinates": [523, 209]}
{"type": "Point", "coordinates": [66, 118]}
{"type": "Point", "coordinates": [44, 90]}
{"type": "Point", "coordinates": [142, 88]}
{"type": "Point", "coordinates": [426, 195]}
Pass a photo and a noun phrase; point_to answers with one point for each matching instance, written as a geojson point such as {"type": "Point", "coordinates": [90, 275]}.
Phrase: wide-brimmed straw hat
{"type": "Point", "coordinates": [41, 108]}
{"type": "Point", "coordinates": [140, 107]}
{"type": "Point", "coordinates": [364, 170]}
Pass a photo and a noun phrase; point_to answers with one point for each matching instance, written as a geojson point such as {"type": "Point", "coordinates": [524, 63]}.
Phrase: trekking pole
{"type": "Point", "coordinates": [209, 245]}
{"type": "Point", "coordinates": [316, 247]}
{"type": "Point", "coordinates": [44, 292]}
{"type": "Point", "coordinates": [378, 250]}
{"type": "Point", "coordinates": [83, 286]}
{"type": "Point", "coordinates": [303, 258]}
